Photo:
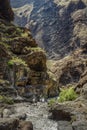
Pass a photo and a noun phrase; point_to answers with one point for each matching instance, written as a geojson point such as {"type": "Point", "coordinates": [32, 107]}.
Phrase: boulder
{"type": "Point", "coordinates": [79, 125]}
{"type": "Point", "coordinates": [61, 112]}
{"type": "Point", "coordinates": [6, 113]}
{"type": "Point", "coordinates": [64, 125]}
{"type": "Point", "coordinates": [25, 125]}
{"type": "Point", "coordinates": [9, 124]}
{"type": "Point", "coordinates": [15, 124]}
{"type": "Point", "coordinates": [36, 60]}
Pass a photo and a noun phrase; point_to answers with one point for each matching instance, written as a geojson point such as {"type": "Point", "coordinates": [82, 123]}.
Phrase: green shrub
{"type": "Point", "coordinates": [7, 100]}
{"type": "Point", "coordinates": [10, 63]}
{"type": "Point", "coordinates": [16, 61]}
{"type": "Point", "coordinates": [51, 102]}
{"type": "Point", "coordinates": [67, 95]}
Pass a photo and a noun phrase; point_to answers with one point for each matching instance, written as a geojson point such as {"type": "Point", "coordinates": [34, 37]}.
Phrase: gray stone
{"type": "Point", "coordinates": [84, 91]}
{"type": "Point", "coordinates": [22, 116]}
{"type": "Point", "coordinates": [79, 125]}
{"type": "Point", "coordinates": [64, 125]}
{"type": "Point", "coordinates": [6, 113]}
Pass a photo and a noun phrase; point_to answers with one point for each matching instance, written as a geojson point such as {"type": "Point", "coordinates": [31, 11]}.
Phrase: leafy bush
{"type": "Point", "coordinates": [67, 95]}
{"type": "Point", "coordinates": [7, 100]}
{"type": "Point", "coordinates": [51, 102]}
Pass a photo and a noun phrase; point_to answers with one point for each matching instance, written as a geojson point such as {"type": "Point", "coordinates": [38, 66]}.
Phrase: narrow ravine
{"type": "Point", "coordinates": [37, 113]}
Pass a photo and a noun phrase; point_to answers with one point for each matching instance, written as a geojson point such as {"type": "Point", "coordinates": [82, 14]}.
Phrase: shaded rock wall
{"type": "Point", "coordinates": [6, 11]}
{"type": "Point", "coordinates": [71, 69]}
{"type": "Point", "coordinates": [17, 42]}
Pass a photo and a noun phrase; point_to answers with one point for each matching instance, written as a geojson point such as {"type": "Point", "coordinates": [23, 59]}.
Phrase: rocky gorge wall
{"type": "Point", "coordinates": [71, 70]}
{"type": "Point", "coordinates": [23, 68]}
{"type": "Point", "coordinates": [22, 62]}
{"type": "Point", "coordinates": [60, 27]}
{"type": "Point", "coordinates": [52, 23]}
{"type": "Point", "coordinates": [71, 19]}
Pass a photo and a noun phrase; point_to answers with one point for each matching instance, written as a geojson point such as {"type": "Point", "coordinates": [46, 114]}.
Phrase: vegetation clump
{"type": "Point", "coordinates": [67, 95]}
{"type": "Point", "coordinates": [35, 49]}
{"type": "Point", "coordinates": [17, 61]}
{"type": "Point", "coordinates": [51, 102]}
{"type": "Point", "coordinates": [7, 100]}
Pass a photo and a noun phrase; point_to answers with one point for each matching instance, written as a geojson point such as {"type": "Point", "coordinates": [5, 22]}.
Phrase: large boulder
{"type": "Point", "coordinates": [9, 124]}
{"type": "Point", "coordinates": [15, 124]}
{"type": "Point", "coordinates": [25, 125]}
{"type": "Point", "coordinates": [36, 60]}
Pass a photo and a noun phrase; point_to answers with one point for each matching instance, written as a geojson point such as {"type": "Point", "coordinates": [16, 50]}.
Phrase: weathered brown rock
{"type": "Point", "coordinates": [36, 61]}
{"type": "Point", "coordinates": [15, 124]}
{"type": "Point", "coordinates": [70, 70]}
{"type": "Point", "coordinates": [61, 112]}
{"type": "Point", "coordinates": [8, 124]}
{"type": "Point", "coordinates": [25, 125]}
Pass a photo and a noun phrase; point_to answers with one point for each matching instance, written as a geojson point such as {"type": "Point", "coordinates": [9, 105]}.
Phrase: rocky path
{"type": "Point", "coordinates": [36, 113]}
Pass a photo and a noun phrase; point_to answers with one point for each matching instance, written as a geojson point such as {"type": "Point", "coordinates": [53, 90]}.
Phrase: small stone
{"type": "Point", "coordinates": [6, 113]}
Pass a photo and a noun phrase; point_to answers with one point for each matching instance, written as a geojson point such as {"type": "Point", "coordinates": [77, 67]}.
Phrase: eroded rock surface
{"type": "Point", "coordinates": [15, 124]}
{"type": "Point", "coordinates": [58, 26]}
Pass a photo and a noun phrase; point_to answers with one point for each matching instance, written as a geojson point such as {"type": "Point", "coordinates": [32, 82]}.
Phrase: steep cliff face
{"type": "Point", "coordinates": [61, 28]}
{"type": "Point", "coordinates": [71, 68]}
{"type": "Point", "coordinates": [20, 56]}
{"type": "Point", "coordinates": [52, 23]}
{"type": "Point", "coordinates": [22, 62]}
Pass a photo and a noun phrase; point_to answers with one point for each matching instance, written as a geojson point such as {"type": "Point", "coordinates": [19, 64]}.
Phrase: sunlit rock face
{"type": "Point", "coordinates": [51, 23]}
